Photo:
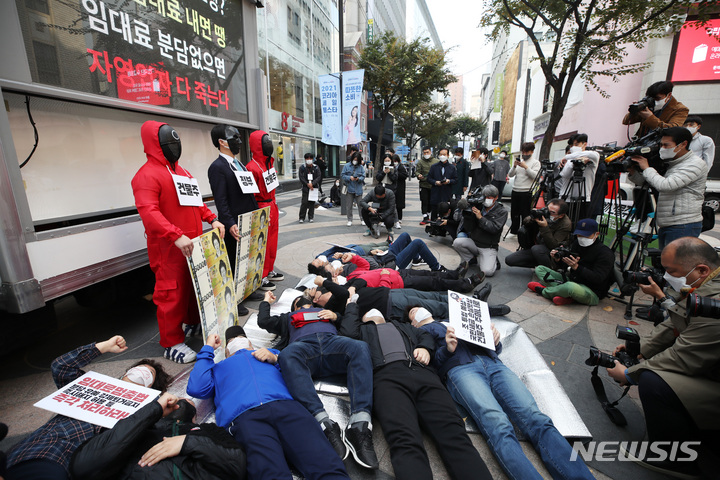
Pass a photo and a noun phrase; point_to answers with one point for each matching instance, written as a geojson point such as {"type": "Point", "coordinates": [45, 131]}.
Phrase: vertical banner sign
{"type": "Point", "coordinates": [213, 282]}
{"type": "Point", "coordinates": [352, 86]}
{"type": "Point", "coordinates": [471, 319]}
{"type": "Point", "coordinates": [250, 259]}
{"type": "Point", "coordinates": [330, 104]}
{"type": "Point", "coordinates": [98, 399]}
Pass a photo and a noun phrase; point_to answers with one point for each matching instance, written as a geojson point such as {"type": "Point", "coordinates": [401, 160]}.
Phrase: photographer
{"type": "Point", "coordinates": [479, 229]}
{"type": "Point", "coordinates": [378, 206]}
{"type": "Point", "coordinates": [679, 378]}
{"type": "Point", "coordinates": [587, 269]}
{"type": "Point", "coordinates": [586, 161]}
{"type": "Point", "coordinates": [442, 176]}
{"type": "Point", "coordinates": [524, 170]}
{"type": "Point", "coordinates": [659, 109]}
{"type": "Point", "coordinates": [445, 223]}
{"type": "Point", "coordinates": [552, 232]}
{"type": "Point", "coordinates": [681, 189]}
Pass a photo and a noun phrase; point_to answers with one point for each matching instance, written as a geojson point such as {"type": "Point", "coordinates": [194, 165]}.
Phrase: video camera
{"type": "Point", "coordinates": [647, 102]}
{"type": "Point", "coordinates": [627, 357]}
{"type": "Point", "coordinates": [698, 306]}
{"type": "Point", "coordinates": [647, 146]}
{"type": "Point", "coordinates": [475, 200]}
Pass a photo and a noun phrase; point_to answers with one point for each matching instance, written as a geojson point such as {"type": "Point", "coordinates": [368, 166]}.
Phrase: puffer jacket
{"type": "Point", "coordinates": [682, 190]}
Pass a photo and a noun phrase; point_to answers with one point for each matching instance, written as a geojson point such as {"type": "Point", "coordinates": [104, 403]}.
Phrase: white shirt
{"type": "Point", "coordinates": [588, 174]}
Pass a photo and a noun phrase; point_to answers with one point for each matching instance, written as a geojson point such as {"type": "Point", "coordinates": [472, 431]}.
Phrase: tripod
{"type": "Point", "coordinates": [544, 184]}
{"type": "Point", "coordinates": [575, 192]}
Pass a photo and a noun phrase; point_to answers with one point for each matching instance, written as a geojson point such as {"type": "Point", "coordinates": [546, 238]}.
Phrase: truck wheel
{"type": "Point", "coordinates": [713, 201]}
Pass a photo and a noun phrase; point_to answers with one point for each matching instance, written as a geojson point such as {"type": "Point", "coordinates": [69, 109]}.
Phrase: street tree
{"type": "Point", "coordinates": [465, 126]}
{"type": "Point", "coordinates": [428, 121]}
{"type": "Point", "coordinates": [591, 39]}
{"type": "Point", "coordinates": [398, 72]}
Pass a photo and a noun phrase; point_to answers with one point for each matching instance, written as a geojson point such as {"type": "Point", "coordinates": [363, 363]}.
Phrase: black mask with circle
{"type": "Point", "coordinates": [267, 145]}
{"type": "Point", "coordinates": [170, 143]}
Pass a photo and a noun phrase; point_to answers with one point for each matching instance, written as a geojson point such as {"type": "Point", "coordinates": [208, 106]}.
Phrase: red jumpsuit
{"type": "Point", "coordinates": [259, 164]}
{"type": "Point", "coordinates": [165, 221]}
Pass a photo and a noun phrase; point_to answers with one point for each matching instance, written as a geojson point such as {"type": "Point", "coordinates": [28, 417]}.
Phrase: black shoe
{"type": "Point", "coordinates": [358, 438]}
{"type": "Point", "coordinates": [462, 269]}
{"type": "Point", "coordinates": [418, 262]}
{"type": "Point", "coordinates": [477, 279]}
{"type": "Point", "coordinates": [498, 310]}
{"type": "Point", "coordinates": [255, 296]}
{"type": "Point", "coordinates": [267, 286]}
{"type": "Point", "coordinates": [441, 268]}
{"type": "Point", "coordinates": [473, 261]}
{"type": "Point", "coordinates": [275, 276]}
{"type": "Point", "coordinates": [483, 292]}
{"type": "Point", "coordinates": [242, 310]}
{"type": "Point", "coordinates": [335, 437]}
{"type": "Point", "coordinates": [497, 264]}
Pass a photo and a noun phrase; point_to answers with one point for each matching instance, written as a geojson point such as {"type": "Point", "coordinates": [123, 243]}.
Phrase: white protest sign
{"type": "Point", "coordinates": [313, 195]}
{"type": "Point", "coordinates": [271, 180]}
{"type": "Point", "coordinates": [98, 399]}
{"type": "Point", "coordinates": [471, 319]}
{"type": "Point", "coordinates": [188, 191]}
{"type": "Point", "coordinates": [246, 181]}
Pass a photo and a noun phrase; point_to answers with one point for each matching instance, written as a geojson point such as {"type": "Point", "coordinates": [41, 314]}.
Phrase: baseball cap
{"type": "Point", "coordinates": [586, 227]}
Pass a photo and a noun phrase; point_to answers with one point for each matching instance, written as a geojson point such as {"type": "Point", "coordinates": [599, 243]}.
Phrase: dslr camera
{"type": "Point", "coordinates": [698, 306]}
{"type": "Point", "coordinates": [435, 228]}
{"type": "Point", "coordinates": [627, 357]}
{"type": "Point", "coordinates": [562, 252]}
{"type": "Point", "coordinates": [538, 213]}
{"type": "Point", "coordinates": [647, 102]}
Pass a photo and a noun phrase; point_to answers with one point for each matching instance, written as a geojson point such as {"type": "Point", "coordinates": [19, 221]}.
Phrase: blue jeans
{"type": "Point", "coordinates": [673, 232]}
{"type": "Point", "coordinates": [494, 395]}
{"type": "Point", "coordinates": [405, 251]}
{"type": "Point", "coordinates": [333, 250]}
{"type": "Point", "coordinates": [322, 355]}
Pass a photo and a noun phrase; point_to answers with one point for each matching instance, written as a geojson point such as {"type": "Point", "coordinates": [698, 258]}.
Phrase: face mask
{"type": "Point", "coordinates": [442, 158]}
{"type": "Point", "coordinates": [667, 153]}
{"type": "Point", "coordinates": [322, 258]}
{"type": "Point", "coordinates": [488, 202]}
{"type": "Point", "coordinates": [387, 164]}
{"type": "Point", "coordinates": [397, 164]}
{"type": "Point", "coordinates": [659, 104]}
{"type": "Point", "coordinates": [585, 242]}
{"type": "Point", "coordinates": [678, 283]}
{"type": "Point", "coordinates": [236, 344]}
{"type": "Point", "coordinates": [426, 157]}
{"type": "Point", "coordinates": [502, 155]}
{"type": "Point", "coordinates": [575, 149]}
{"type": "Point", "coordinates": [374, 313]}
{"type": "Point", "coordinates": [526, 157]}
{"type": "Point", "coordinates": [337, 184]}
{"type": "Point", "coordinates": [693, 130]}
{"type": "Point", "coordinates": [422, 314]}
{"type": "Point", "coordinates": [552, 219]}
{"type": "Point", "coordinates": [142, 375]}
{"type": "Point", "coordinates": [457, 157]}
{"type": "Point", "coordinates": [336, 264]}
{"type": "Point", "coordinates": [308, 163]}
{"type": "Point", "coordinates": [354, 162]}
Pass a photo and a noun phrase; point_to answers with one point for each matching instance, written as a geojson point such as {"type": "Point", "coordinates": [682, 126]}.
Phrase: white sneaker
{"type": "Point", "coordinates": [397, 225]}
{"type": "Point", "coordinates": [192, 330]}
{"type": "Point", "coordinates": [349, 223]}
{"type": "Point", "coordinates": [180, 353]}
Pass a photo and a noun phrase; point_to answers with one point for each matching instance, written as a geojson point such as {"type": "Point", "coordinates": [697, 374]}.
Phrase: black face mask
{"type": "Point", "coordinates": [301, 302]}
{"type": "Point", "coordinates": [267, 146]}
{"type": "Point", "coordinates": [170, 143]}
{"type": "Point", "coordinates": [232, 136]}
{"type": "Point", "coordinates": [184, 414]}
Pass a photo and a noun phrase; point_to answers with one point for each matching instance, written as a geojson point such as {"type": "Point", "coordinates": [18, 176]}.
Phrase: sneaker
{"type": "Point", "coordinates": [390, 239]}
{"type": "Point", "coordinates": [483, 292]}
{"type": "Point", "coordinates": [497, 264]}
{"type": "Point", "coordinates": [441, 268]}
{"type": "Point", "coordinates": [376, 231]}
{"type": "Point", "coordinates": [399, 222]}
{"type": "Point", "coordinates": [192, 330]}
{"type": "Point", "coordinates": [563, 300]}
{"type": "Point", "coordinates": [462, 269]}
{"type": "Point", "coordinates": [349, 223]}
{"type": "Point", "coordinates": [536, 287]}
{"type": "Point", "coordinates": [397, 225]}
{"type": "Point", "coordinates": [424, 221]}
{"type": "Point", "coordinates": [358, 438]}
{"type": "Point", "coordinates": [498, 310]}
{"type": "Point", "coordinates": [267, 285]}
{"type": "Point", "coordinates": [367, 232]}
{"type": "Point", "coordinates": [255, 296]}
{"type": "Point", "coordinates": [418, 262]}
{"type": "Point", "coordinates": [510, 235]}
{"type": "Point", "coordinates": [301, 221]}
{"type": "Point", "coordinates": [477, 279]}
{"type": "Point", "coordinates": [335, 437]}
{"type": "Point", "coordinates": [312, 220]}
{"type": "Point", "coordinates": [274, 276]}
{"type": "Point", "coordinates": [180, 353]}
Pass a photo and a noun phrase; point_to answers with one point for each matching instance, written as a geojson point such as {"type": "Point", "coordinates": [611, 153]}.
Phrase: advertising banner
{"type": "Point", "coordinates": [352, 85]}
{"type": "Point", "coordinates": [471, 319]}
{"type": "Point", "coordinates": [697, 53]}
{"type": "Point", "coordinates": [214, 287]}
{"type": "Point", "coordinates": [250, 259]}
{"type": "Point", "coordinates": [98, 399]}
{"type": "Point", "coordinates": [331, 114]}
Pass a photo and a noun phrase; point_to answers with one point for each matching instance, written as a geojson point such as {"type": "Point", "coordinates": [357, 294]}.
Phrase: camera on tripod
{"type": "Point", "coordinates": [647, 146]}
{"type": "Point", "coordinates": [627, 357]}
{"type": "Point", "coordinates": [647, 102]}
{"type": "Point", "coordinates": [698, 306]}
{"type": "Point", "coordinates": [436, 229]}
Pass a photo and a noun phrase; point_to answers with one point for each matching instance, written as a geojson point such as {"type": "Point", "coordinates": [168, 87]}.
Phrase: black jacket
{"type": "Point", "coordinates": [387, 204]}
{"type": "Point", "coordinates": [351, 325]}
{"type": "Point", "coordinates": [402, 176]}
{"type": "Point", "coordinates": [303, 176]}
{"type": "Point", "coordinates": [595, 268]}
{"type": "Point", "coordinates": [486, 231]}
{"type": "Point", "coordinates": [208, 452]}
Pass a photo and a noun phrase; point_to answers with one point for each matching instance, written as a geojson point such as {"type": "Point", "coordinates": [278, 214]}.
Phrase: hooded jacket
{"type": "Point", "coordinates": [258, 164]}
{"type": "Point", "coordinates": [165, 220]}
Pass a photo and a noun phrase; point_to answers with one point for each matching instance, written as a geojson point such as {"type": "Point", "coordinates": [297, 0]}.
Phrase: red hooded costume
{"type": "Point", "coordinates": [257, 165]}
{"type": "Point", "coordinates": [165, 221]}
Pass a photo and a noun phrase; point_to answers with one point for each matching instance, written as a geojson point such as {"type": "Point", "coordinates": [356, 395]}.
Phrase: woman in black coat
{"type": "Point", "coordinates": [402, 176]}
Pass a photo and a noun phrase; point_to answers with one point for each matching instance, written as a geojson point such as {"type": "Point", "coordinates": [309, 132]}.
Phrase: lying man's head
{"type": "Point", "coordinates": [236, 340]}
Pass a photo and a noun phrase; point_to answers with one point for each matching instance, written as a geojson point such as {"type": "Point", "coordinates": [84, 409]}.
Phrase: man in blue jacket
{"type": "Point", "coordinates": [253, 403]}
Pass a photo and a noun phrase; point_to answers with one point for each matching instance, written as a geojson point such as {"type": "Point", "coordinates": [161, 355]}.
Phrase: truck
{"type": "Point", "coordinates": [78, 78]}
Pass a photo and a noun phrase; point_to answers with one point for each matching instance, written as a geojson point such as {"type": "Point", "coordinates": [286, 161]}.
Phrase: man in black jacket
{"type": "Point", "coordinates": [549, 234]}
{"type": "Point", "coordinates": [589, 267]}
{"type": "Point", "coordinates": [160, 441]}
{"type": "Point", "coordinates": [232, 191]}
{"type": "Point", "coordinates": [310, 180]}
{"type": "Point", "coordinates": [378, 205]}
{"type": "Point", "coordinates": [408, 394]}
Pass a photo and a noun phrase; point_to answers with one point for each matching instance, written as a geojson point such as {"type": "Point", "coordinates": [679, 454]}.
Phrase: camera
{"type": "Point", "coordinates": [627, 357]}
{"type": "Point", "coordinates": [476, 201]}
{"type": "Point", "coordinates": [698, 306]}
{"type": "Point", "coordinates": [643, 277]}
{"type": "Point", "coordinates": [647, 146]}
{"type": "Point", "coordinates": [538, 213]}
{"type": "Point", "coordinates": [435, 228]}
{"type": "Point", "coordinates": [562, 252]}
{"type": "Point", "coordinates": [647, 102]}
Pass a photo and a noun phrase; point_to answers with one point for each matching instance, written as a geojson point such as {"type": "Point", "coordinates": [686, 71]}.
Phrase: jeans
{"type": "Point", "coordinates": [322, 355]}
{"type": "Point", "coordinates": [494, 396]}
{"type": "Point", "coordinates": [405, 251]}
{"type": "Point", "coordinates": [577, 291]}
{"type": "Point", "coordinates": [673, 232]}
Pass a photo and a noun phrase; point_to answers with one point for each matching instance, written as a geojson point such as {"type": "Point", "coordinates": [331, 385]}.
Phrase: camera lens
{"type": "Point", "coordinates": [703, 306]}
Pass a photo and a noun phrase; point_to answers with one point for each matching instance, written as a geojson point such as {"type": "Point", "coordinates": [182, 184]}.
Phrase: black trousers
{"type": "Point", "coordinates": [368, 219]}
{"type": "Point", "coordinates": [37, 469]}
{"type": "Point", "coordinates": [408, 398]}
{"type": "Point", "coordinates": [665, 415]}
{"type": "Point", "coordinates": [531, 258]}
{"type": "Point", "coordinates": [499, 185]}
{"type": "Point", "coordinates": [429, 281]}
{"type": "Point", "coordinates": [306, 206]}
{"type": "Point", "coordinates": [519, 209]}
{"type": "Point", "coordinates": [424, 200]}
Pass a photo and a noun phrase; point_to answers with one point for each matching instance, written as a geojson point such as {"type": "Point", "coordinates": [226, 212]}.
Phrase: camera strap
{"type": "Point", "coordinates": [616, 416]}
